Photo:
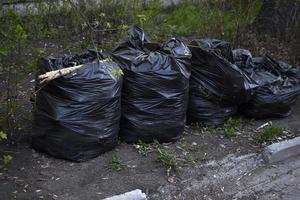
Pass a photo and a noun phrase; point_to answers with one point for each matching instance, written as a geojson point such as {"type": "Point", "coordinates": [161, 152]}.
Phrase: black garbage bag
{"type": "Point", "coordinates": [278, 86]}
{"type": "Point", "coordinates": [218, 75]}
{"type": "Point", "coordinates": [242, 57]}
{"type": "Point", "coordinates": [289, 70]}
{"type": "Point", "coordinates": [214, 76]}
{"type": "Point", "coordinates": [76, 117]}
{"type": "Point", "coordinates": [270, 102]}
{"type": "Point", "coordinates": [155, 89]}
{"type": "Point", "coordinates": [220, 47]}
{"type": "Point", "coordinates": [207, 109]}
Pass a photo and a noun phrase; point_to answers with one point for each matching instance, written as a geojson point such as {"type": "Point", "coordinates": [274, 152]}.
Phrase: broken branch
{"type": "Point", "coordinates": [48, 76]}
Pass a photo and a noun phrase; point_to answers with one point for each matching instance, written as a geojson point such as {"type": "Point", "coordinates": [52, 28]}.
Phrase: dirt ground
{"type": "Point", "coordinates": [216, 163]}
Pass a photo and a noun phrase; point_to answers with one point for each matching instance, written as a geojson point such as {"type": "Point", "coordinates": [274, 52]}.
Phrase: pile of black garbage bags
{"type": "Point", "coordinates": [149, 92]}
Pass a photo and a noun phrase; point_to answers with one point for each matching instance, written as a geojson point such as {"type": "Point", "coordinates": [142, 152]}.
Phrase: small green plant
{"type": "Point", "coordinates": [166, 158]}
{"type": "Point", "coordinates": [7, 159]}
{"type": "Point", "coordinates": [230, 132]}
{"type": "Point", "coordinates": [142, 19]}
{"type": "Point", "coordinates": [116, 163]}
{"type": "Point", "coordinates": [234, 122]}
{"type": "Point", "coordinates": [198, 125]}
{"type": "Point", "coordinates": [185, 19]}
{"type": "Point", "coordinates": [231, 127]}
{"type": "Point", "coordinates": [3, 52]}
{"type": "Point", "coordinates": [20, 34]}
{"type": "Point", "coordinates": [31, 65]}
{"type": "Point", "coordinates": [268, 134]}
{"type": "Point", "coordinates": [146, 17]}
{"type": "Point", "coordinates": [143, 148]}
{"type": "Point", "coordinates": [3, 135]}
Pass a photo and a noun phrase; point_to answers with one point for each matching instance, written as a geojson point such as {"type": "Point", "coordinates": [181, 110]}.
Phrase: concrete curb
{"type": "Point", "coordinates": [282, 150]}
{"type": "Point", "coordinates": [132, 195]}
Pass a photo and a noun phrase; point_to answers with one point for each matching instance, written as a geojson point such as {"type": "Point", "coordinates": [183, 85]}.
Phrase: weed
{"type": "Point", "coordinates": [167, 159]}
{"type": "Point", "coordinates": [31, 65]}
{"type": "Point", "coordinates": [184, 20]}
{"type": "Point", "coordinates": [198, 125]}
{"type": "Point", "coordinates": [3, 52]}
{"type": "Point", "coordinates": [116, 163]}
{"type": "Point", "coordinates": [172, 161]}
{"type": "Point", "coordinates": [143, 148]}
{"type": "Point", "coordinates": [211, 129]}
{"type": "Point", "coordinates": [231, 126]}
{"type": "Point", "coordinates": [3, 135]}
{"type": "Point", "coordinates": [7, 159]}
{"type": "Point", "coordinates": [268, 134]}
{"type": "Point", "coordinates": [230, 132]}
{"type": "Point", "coordinates": [236, 122]}
{"type": "Point", "coordinates": [146, 18]}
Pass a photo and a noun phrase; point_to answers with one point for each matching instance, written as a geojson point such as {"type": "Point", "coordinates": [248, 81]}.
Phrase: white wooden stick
{"type": "Point", "coordinates": [59, 73]}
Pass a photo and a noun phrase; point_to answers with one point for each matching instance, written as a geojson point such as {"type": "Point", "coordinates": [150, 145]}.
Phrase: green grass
{"type": "Point", "coordinates": [198, 125]}
{"type": "Point", "coordinates": [231, 126]}
{"type": "Point", "coordinates": [210, 18]}
{"type": "Point", "coordinates": [166, 157]}
{"type": "Point", "coordinates": [183, 20]}
{"type": "Point", "coordinates": [234, 122]}
{"type": "Point", "coordinates": [230, 132]}
{"type": "Point", "coordinates": [7, 159]}
{"type": "Point", "coordinates": [3, 136]}
{"type": "Point", "coordinates": [116, 163]}
{"type": "Point", "coordinates": [268, 134]}
{"type": "Point", "coordinates": [229, 129]}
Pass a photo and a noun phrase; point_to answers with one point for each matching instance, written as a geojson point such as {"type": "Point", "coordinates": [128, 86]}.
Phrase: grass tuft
{"type": "Point", "coordinates": [143, 148]}
{"type": "Point", "coordinates": [268, 134]}
{"type": "Point", "coordinates": [116, 163]}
